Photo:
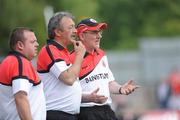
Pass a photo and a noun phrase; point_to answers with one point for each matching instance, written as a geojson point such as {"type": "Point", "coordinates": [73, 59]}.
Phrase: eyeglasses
{"type": "Point", "coordinates": [94, 32]}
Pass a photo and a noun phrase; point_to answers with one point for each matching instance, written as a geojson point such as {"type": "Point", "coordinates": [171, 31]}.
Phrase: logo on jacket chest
{"type": "Point", "coordinates": [97, 77]}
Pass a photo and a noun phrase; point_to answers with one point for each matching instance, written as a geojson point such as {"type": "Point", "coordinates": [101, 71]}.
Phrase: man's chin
{"type": "Point", "coordinates": [97, 46]}
{"type": "Point", "coordinates": [71, 41]}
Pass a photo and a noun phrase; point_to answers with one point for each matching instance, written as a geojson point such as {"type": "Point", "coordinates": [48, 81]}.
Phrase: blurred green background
{"type": "Point", "coordinates": [128, 20]}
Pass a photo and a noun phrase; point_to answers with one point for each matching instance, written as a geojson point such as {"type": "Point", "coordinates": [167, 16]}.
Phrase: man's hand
{"type": "Point", "coordinates": [79, 48]}
{"type": "Point", "coordinates": [98, 98]}
{"type": "Point", "coordinates": [94, 97]}
{"type": "Point", "coordinates": [128, 88]}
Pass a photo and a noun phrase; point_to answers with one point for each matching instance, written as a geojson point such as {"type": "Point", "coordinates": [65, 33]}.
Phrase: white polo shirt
{"type": "Point", "coordinates": [95, 73]}
{"type": "Point", "coordinates": [53, 59]}
{"type": "Point", "coordinates": [17, 74]}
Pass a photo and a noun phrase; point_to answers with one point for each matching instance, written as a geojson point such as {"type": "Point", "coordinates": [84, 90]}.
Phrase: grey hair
{"type": "Point", "coordinates": [55, 22]}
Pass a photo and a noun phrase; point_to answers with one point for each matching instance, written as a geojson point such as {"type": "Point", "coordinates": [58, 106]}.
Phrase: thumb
{"type": "Point", "coordinates": [137, 86]}
{"type": "Point", "coordinates": [74, 42]}
{"type": "Point", "coordinates": [130, 82]}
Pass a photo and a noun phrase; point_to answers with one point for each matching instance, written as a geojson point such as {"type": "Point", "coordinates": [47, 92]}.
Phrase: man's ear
{"type": "Point", "coordinates": [19, 45]}
{"type": "Point", "coordinates": [81, 36]}
{"type": "Point", "coordinates": [57, 32]}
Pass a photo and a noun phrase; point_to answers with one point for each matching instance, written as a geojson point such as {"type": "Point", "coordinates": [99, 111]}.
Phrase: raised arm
{"type": "Point", "coordinates": [70, 75]}
{"type": "Point", "coordinates": [124, 89]}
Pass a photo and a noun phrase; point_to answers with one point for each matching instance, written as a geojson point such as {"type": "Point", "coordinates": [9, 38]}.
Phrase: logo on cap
{"type": "Point", "coordinates": [93, 20]}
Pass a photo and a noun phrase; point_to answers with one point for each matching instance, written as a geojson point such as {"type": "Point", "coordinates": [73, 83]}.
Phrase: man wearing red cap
{"type": "Point", "coordinates": [96, 74]}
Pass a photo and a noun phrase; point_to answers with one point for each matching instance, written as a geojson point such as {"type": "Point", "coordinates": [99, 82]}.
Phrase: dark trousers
{"type": "Point", "coordinates": [60, 115]}
{"type": "Point", "coordinates": [97, 113]}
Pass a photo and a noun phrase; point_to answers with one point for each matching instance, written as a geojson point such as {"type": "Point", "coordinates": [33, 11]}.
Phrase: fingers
{"type": "Point", "coordinates": [137, 86]}
{"type": "Point", "coordinates": [126, 91]}
{"type": "Point", "coordinates": [95, 91]}
{"type": "Point", "coordinates": [79, 48]}
{"type": "Point", "coordinates": [130, 84]}
{"type": "Point", "coordinates": [100, 99]}
{"type": "Point", "coordinates": [128, 88]}
{"type": "Point", "coordinates": [73, 41]}
{"type": "Point", "coordinates": [76, 43]}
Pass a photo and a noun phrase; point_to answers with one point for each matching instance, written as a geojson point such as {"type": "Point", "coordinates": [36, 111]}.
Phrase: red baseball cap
{"type": "Point", "coordinates": [90, 24]}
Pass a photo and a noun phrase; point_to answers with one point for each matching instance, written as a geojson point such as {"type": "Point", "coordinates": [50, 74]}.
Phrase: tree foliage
{"type": "Point", "coordinates": [29, 13]}
{"type": "Point", "coordinates": [131, 19]}
{"type": "Point", "coordinates": [127, 20]}
{"type": "Point", "coordinates": [20, 13]}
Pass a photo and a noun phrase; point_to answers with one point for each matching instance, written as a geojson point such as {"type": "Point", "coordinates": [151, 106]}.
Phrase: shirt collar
{"type": "Point", "coordinates": [94, 53]}
{"type": "Point", "coordinates": [16, 53]}
{"type": "Point", "coordinates": [53, 42]}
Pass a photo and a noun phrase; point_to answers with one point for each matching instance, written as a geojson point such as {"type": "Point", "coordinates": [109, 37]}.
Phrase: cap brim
{"type": "Point", "coordinates": [100, 26]}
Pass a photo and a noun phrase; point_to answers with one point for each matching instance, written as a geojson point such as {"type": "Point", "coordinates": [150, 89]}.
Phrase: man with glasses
{"type": "Point", "coordinates": [96, 74]}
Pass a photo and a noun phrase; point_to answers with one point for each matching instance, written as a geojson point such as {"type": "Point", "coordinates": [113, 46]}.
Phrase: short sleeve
{"type": "Point", "coordinates": [58, 68]}
{"type": "Point", "coordinates": [21, 85]}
